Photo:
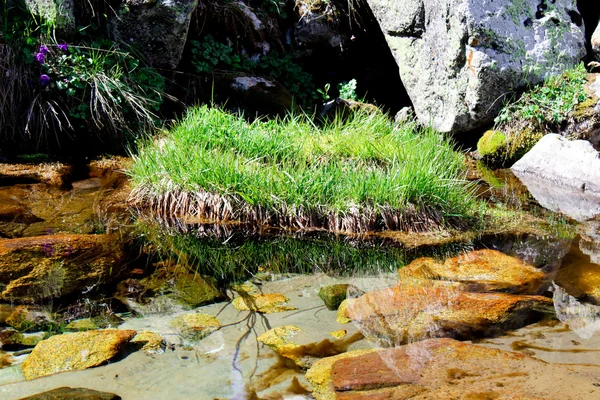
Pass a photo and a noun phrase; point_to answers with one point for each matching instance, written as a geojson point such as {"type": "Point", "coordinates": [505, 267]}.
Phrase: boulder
{"type": "Point", "coordinates": [319, 26]}
{"type": "Point", "coordinates": [74, 351]}
{"type": "Point", "coordinates": [152, 342]}
{"type": "Point", "coordinates": [448, 369]}
{"type": "Point", "coordinates": [408, 313]}
{"type": "Point", "coordinates": [596, 42]}
{"type": "Point", "coordinates": [67, 393]}
{"type": "Point", "coordinates": [158, 28]}
{"type": "Point", "coordinates": [569, 163]}
{"type": "Point", "coordinates": [45, 267]}
{"type": "Point", "coordinates": [579, 276]}
{"type": "Point", "coordinates": [459, 59]}
{"type": "Point", "coordinates": [480, 271]}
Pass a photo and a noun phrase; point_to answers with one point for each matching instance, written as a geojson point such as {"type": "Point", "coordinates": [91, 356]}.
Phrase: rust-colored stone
{"type": "Point", "coordinates": [408, 313]}
{"type": "Point", "coordinates": [448, 369]}
{"type": "Point", "coordinates": [43, 267]}
{"type": "Point", "coordinates": [478, 271]}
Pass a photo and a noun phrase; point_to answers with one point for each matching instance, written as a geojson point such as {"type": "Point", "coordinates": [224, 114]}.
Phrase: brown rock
{"type": "Point", "coordinates": [44, 267]}
{"type": "Point", "coordinates": [478, 271]}
{"type": "Point", "coordinates": [580, 277]}
{"type": "Point", "coordinates": [448, 369]}
{"type": "Point", "coordinates": [152, 342]}
{"type": "Point", "coordinates": [56, 174]}
{"type": "Point", "coordinates": [407, 313]}
{"type": "Point", "coordinates": [333, 295]}
{"type": "Point", "coordinates": [74, 351]}
{"type": "Point", "coordinates": [67, 393]}
{"type": "Point", "coordinates": [29, 318]}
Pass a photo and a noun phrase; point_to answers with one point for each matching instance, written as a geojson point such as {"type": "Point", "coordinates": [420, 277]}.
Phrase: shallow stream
{"type": "Point", "coordinates": [231, 363]}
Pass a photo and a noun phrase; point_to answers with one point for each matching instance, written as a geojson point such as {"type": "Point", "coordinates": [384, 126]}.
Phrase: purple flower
{"type": "Point", "coordinates": [63, 46]}
{"type": "Point", "coordinates": [43, 49]}
{"type": "Point", "coordinates": [44, 79]}
{"type": "Point", "coordinates": [40, 57]}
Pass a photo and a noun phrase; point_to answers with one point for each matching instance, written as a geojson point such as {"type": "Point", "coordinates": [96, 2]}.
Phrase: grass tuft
{"type": "Point", "coordinates": [354, 175]}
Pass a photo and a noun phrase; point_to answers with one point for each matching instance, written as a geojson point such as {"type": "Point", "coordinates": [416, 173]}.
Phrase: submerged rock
{"type": "Point", "coordinates": [408, 313]}
{"type": "Point", "coordinates": [582, 318]}
{"type": "Point", "coordinates": [67, 393]}
{"type": "Point", "coordinates": [74, 351]}
{"type": "Point", "coordinates": [13, 338]}
{"type": "Point", "coordinates": [278, 339]}
{"type": "Point", "coordinates": [55, 174]}
{"type": "Point", "coordinates": [153, 343]}
{"type": "Point", "coordinates": [333, 295]}
{"type": "Point", "coordinates": [580, 277]}
{"type": "Point", "coordinates": [267, 303]}
{"type": "Point", "coordinates": [448, 369]}
{"type": "Point", "coordinates": [195, 327]}
{"type": "Point", "coordinates": [37, 268]}
{"type": "Point", "coordinates": [457, 60]}
{"type": "Point", "coordinates": [478, 271]}
{"type": "Point", "coordinates": [29, 318]}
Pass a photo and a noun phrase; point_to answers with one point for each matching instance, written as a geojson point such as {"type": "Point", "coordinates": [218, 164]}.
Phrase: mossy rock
{"type": "Point", "coordinates": [493, 147]}
{"type": "Point", "coordinates": [333, 295]}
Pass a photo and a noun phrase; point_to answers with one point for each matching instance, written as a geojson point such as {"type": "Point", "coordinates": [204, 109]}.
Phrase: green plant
{"type": "Point", "coordinates": [352, 175]}
{"type": "Point", "coordinates": [348, 90]}
{"type": "Point", "coordinates": [325, 92]}
{"type": "Point", "coordinates": [209, 55]}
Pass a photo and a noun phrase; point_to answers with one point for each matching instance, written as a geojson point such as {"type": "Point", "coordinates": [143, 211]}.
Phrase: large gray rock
{"type": "Point", "coordinates": [596, 42]}
{"type": "Point", "coordinates": [158, 28]}
{"type": "Point", "coordinates": [563, 175]}
{"type": "Point", "coordinates": [458, 59]}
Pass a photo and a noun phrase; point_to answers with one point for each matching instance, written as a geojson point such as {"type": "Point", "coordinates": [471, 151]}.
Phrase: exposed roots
{"type": "Point", "coordinates": [178, 209]}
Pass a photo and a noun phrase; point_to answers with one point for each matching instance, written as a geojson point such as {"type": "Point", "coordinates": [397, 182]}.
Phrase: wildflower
{"type": "Point", "coordinates": [63, 46]}
{"type": "Point", "coordinates": [43, 50]}
{"type": "Point", "coordinates": [44, 79]}
{"type": "Point", "coordinates": [40, 57]}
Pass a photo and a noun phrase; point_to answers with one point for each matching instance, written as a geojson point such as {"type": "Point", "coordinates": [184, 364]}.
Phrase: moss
{"type": "Point", "coordinates": [585, 109]}
{"type": "Point", "coordinates": [493, 147]}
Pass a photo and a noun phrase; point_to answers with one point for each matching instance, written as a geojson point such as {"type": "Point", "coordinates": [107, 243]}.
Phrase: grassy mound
{"type": "Point", "coordinates": [357, 175]}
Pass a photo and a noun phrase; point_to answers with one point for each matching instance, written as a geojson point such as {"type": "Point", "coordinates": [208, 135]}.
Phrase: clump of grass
{"type": "Point", "coordinates": [354, 175]}
{"type": "Point", "coordinates": [541, 109]}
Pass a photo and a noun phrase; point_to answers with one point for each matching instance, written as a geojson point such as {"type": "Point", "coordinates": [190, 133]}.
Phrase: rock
{"type": "Point", "coordinates": [6, 360]}
{"type": "Point", "coordinates": [195, 327]}
{"type": "Point", "coordinates": [408, 313]}
{"type": "Point", "coordinates": [333, 295]}
{"type": "Point", "coordinates": [45, 267]}
{"type": "Point", "coordinates": [448, 369]}
{"type": "Point", "coordinates": [404, 115]}
{"type": "Point", "coordinates": [15, 339]}
{"type": "Point", "coordinates": [59, 13]}
{"type": "Point", "coordinates": [267, 303]}
{"type": "Point", "coordinates": [579, 277]}
{"type": "Point", "coordinates": [582, 318]}
{"type": "Point", "coordinates": [153, 343]}
{"type": "Point", "coordinates": [86, 324]}
{"type": "Point", "coordinates": [318, 26]}
{"type": "Point", "coordinates": [185, 287]}
{"type": "Point", "coordinates": [596, 42]}
{"type": "Point", "coordinates": [278, 339]}
{"type": "Point", "coordinates": [341, 317]}
{"type": "Point", "coordinates": [458, 60]}
{"type": "Point", "coordinates": [568, 163]}
{"type": "Point", "coordinates": [67, 393]}
{"type": "Point", "coordinates": [256, 94]}
{"type": "Point", "coordinates": [344, 108]}
{"type": "Point", "coordinates": [74, 351]}
{"type": "Point", "coordinates": [55, 174]}
{"type": "Point", "coordinates": [478, 271]}
{"type": "Point", "coordinates": [158, 28]}
{"type": "Point", "coordinates": [339, 334]}
{"type": "Point", "coordinates": [26, 318]}
{"type": "Point", "coordinates": [493, 148]}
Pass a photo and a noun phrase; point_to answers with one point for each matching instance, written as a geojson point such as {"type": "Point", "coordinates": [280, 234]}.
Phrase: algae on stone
{"type": "Point", "coordinates": [267, 303]}
{"type": "Point", "coordinates": [195, 327]}
{"type": "Point", "coordinates": [75, 351]}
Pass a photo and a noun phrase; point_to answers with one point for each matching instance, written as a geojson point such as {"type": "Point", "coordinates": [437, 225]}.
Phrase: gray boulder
{"type": "Point", "coordinates": [596, 42]}
{"type": "Point", "coordinates": [563, 175]}
{"type": "Point", "coordinates": [158, 28]}
{"type": "Point", "coordinates": [459, 59]}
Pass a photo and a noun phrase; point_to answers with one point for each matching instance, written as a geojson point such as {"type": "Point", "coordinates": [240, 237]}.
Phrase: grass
{"type": "Point", "coordinates": [357, 175]}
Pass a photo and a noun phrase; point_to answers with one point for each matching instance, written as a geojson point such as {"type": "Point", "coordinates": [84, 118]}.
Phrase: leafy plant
{"type": "Point", "coordinates": [348, 90]}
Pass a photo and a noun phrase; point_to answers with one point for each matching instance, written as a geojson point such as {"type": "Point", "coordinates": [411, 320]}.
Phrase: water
{"type": "Point", "coordinates": [231, 363]}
